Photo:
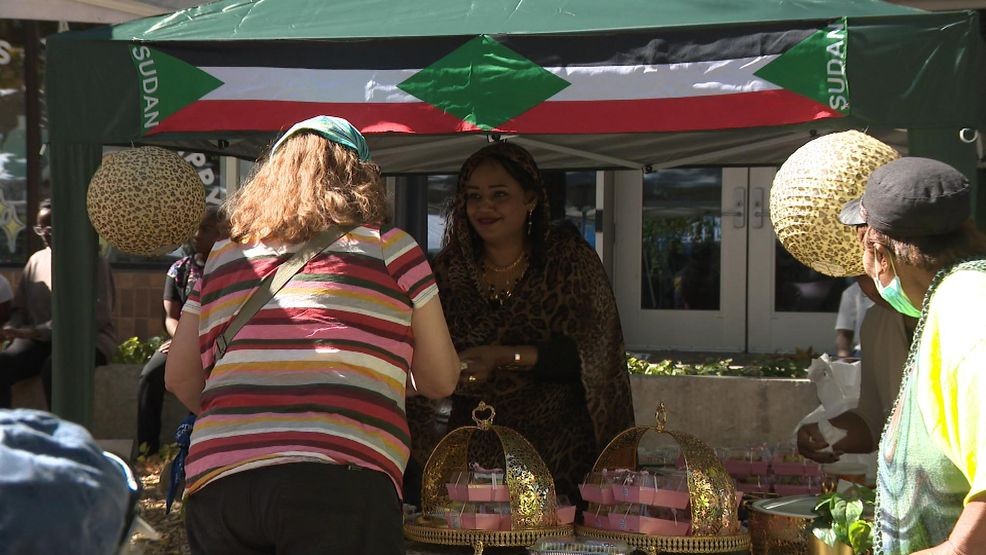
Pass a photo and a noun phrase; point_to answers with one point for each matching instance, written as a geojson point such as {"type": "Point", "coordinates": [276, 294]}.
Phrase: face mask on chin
{"type": "Point", "coordinates": [893, 293]}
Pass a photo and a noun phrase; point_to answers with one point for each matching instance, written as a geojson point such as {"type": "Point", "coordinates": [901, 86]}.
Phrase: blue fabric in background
{"type": "Point", "coordinates": [176, 485]}
{"type": "Point", "coordinates": [58, 493]}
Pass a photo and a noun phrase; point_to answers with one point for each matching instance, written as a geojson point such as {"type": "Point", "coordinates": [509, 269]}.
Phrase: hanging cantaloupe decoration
{"type": "Point", "coordinates": [145, 200]}
{"type": "Point", "coordinates": [810, 190]}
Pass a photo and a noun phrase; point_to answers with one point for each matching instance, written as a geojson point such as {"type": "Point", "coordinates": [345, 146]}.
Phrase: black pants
{"type": "Point", "coordinates": [150, 401]}
{"type": "Point", "coordinates": [295, 509]}
{"type": "Point", "coordinates": [26, 358]}
{"type": "Point", "coordinates": [23, 359]}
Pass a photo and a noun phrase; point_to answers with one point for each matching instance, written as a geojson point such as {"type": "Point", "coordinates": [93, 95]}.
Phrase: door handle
{"type": "Point", "coordinates": [739, 208]}
{"type": "Point", "coordinates": [757, 209]}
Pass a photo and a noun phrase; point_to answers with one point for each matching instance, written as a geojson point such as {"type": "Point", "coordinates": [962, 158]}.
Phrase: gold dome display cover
{"type": "Point", "coordinates": [145, 200]}
{"type": "Point", "coordinates": [715, 527]}
{"type": "Point", "coordinates": [533, 511]}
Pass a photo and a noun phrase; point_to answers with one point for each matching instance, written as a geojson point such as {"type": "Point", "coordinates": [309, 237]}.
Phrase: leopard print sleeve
{"type": "Point", "coordinates": [594, 324]}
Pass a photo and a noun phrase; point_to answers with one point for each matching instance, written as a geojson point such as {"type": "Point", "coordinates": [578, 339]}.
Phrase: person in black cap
{"type": "Point", "coordinates": [928, 260]}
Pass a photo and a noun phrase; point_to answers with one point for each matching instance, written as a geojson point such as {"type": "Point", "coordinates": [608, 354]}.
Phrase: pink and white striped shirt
{"type": "Point", "coordinates": [320, 372]}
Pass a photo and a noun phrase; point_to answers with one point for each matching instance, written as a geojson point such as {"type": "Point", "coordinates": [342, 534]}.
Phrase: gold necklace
{"type": "Point", "coordinates": [497, 296]}
{"type": "Point", "coordinates": [508, 267]}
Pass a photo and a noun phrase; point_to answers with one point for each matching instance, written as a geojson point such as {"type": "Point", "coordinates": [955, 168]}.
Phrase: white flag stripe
{"type": "Point", "coordinates": [310, 85]}
{"type": "Point", "coordinates": [587, 82]}
{"type": "Point", "coordinates": [663, 81]}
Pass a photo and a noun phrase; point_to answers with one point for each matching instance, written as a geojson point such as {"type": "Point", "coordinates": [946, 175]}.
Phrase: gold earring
{"type": "Point", "coordinates": [530, 220]}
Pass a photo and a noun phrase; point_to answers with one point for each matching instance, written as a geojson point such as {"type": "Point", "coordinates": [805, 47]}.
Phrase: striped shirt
{"type": "Point", "coordinates": [319, 373]}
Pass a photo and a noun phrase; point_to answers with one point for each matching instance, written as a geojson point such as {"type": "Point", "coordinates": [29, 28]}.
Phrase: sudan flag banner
{"type": "Point", "coordinates": [614, 82]}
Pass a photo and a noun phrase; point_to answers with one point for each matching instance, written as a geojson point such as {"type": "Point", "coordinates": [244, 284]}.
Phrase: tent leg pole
{"type": "Point", "coordinates": [74, 252]}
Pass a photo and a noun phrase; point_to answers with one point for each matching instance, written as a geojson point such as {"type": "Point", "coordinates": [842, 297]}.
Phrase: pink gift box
{"type": "Point", "coordinates": [457, 492]}
{"type": "Point", "coordinates": [593, 520]}
{"type": "Point", "coordinates": [602, 494]}
{"type": "Point", "coordinates": [476, 521]}
{"type": "Point", "coordinates": [478, 492]}
{"type": "Point", "coordinates": [484, 521]}
{"type": "Point", "coordinates": [622, 522]}
{"type": "Point", "coordinates": [566, 514]}
{"type": "Point", "coordinates": [800, 467]}
{"type": "Point", "coordinates": [788, 468]}
{"type": "Point", "coordinates": [670, 498]}
{"type": "Point", "coordinates": [736, 468]}
{"type": "Point", "coordinates": [648, 525]}
{"type": "Point", "coordinates": [745, 468]}
{"type": "Point", "coordinates": [633, 494]}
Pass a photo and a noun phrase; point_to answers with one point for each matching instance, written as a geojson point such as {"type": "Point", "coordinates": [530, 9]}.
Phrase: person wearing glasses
{"type": "Point", "coordinates": [29, 328]}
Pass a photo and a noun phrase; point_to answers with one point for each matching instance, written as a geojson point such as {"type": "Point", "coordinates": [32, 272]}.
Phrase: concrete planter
{"type": "Point", "coordinates": [721, 411]}
{"type": "Point", "coordinates": [115, 405]}
{"type": "Point", "coordinates": [725, 411]}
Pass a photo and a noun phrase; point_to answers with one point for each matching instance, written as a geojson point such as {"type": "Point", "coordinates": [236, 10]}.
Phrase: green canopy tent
{"type": "Point", "coordinates": [582, 83]}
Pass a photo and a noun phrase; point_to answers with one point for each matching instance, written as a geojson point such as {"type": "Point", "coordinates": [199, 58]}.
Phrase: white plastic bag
{"type": "Point", "coordinates": [837, 386]}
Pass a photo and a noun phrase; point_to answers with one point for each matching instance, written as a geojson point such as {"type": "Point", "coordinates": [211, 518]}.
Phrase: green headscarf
{"type": "Point", "coordinates": [334, 129]}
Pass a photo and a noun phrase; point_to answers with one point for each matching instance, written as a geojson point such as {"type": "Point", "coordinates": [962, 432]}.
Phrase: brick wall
{"type": "Point", "coordinates": [138, 310]}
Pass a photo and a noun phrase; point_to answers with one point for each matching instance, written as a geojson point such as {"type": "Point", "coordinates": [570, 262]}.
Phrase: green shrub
{"type": "Point", "coordinates": [753, 366]}
{"type": "Point", "coordinates": [135, 351]}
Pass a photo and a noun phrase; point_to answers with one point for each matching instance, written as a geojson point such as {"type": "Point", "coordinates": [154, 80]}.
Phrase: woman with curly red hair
{"type": "Point", "coordinates": [301, 438]}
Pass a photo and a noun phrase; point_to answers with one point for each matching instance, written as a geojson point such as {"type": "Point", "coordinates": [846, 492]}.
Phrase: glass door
{"type": "Point", "coordinates": [791, 306]}
{"type": "Point", "coordinates": [680, 258]}
{"type": "Point", "coordinates": [697, 267]}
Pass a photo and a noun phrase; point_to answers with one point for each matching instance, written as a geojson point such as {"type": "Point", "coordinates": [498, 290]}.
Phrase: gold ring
{"type": "Point", "coordinates": [471, 378]}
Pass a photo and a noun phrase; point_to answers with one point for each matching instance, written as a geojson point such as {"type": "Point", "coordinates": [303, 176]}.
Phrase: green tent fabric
{"type": "Point", "coordinates": [583, 83]}
{"type": "Point", "coordinates": [359, 19]}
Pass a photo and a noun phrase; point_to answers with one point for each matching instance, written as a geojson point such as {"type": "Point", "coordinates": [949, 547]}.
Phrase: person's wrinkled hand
{"type": "Point", "coordinates": [942, 549]}
{"type": "Point", "coordinates": [165, 347]}
{"type": "Point", "coordinates": [477, 364]}
{"type": "Point", "coordinates": [811, 445]}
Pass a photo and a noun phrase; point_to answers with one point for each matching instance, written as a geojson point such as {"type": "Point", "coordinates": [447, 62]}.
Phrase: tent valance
{"type": "Point", "coordinates": [227, 76]}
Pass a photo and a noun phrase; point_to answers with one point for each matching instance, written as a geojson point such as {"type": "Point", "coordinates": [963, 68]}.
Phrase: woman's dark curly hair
{"type": "Point", "coordinates": [519, 163]}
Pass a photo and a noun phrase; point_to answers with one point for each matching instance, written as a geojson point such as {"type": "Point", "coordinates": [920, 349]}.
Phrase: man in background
{"type": "Point", "coordinates": [29, 326]}
{"type": "Point", "coordinates": [852, 309]}
{"type": "Point", "coordinates": [178, 284]}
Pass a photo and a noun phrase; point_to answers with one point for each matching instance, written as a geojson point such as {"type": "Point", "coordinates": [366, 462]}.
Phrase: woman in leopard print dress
{"type": "Point", "coordinates": [534, 319]}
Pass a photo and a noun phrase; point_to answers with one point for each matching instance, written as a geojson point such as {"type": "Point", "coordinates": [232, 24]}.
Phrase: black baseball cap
{"type": "Point", "coordinates": [912, 197]}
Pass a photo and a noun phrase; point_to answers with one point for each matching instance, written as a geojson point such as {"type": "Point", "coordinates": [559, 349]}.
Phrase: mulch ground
{"type": "Point", "coordinates": [152, 501]}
